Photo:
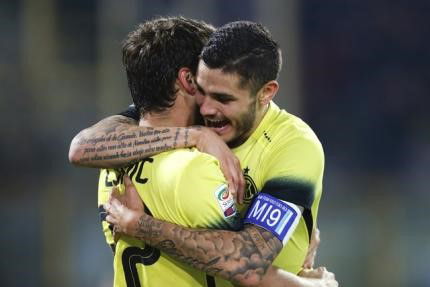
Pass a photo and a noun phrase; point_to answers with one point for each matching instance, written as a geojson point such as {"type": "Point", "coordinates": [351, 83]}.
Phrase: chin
{"type": "Point", "coordinates": [227, 137]}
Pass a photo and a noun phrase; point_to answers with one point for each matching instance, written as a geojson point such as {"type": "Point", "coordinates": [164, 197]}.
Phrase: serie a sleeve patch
{"type": "Point", "coordinates": [275, 215]}
{"type": "Point", "coordinates": [225, 201]}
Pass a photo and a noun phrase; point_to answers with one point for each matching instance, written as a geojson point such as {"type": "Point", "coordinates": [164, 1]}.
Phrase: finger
{"type": "Point", "coordinates": [309, 260]}
{"type": "Point", "coordinates": [232, 191]}
{"type": "Point", "coordinates": [128, 183]}
{"type": "Point", "coordinates": [234, 174]}
{"type": "Point", "coordinates": [111, 219]}
{"type": "Point", "coordinates": [240, 195]}
{"type": "Point", "coordinates": [116, 206]}
{"type": "Point", "coordinates": [303, 272]}
{"type": "Point", "coordinates": [317, 232]}
{"type": "Point", "coordinates": [307, 265]}
{"type": "Point", "coordinates": [235, 182]}
{"type": "Point", "coordinates": [316, 236]}
{"type": "Point", "coordinates": [237, 178]}
{"type": "Point", "coordinates": [108, 204]}
{"type": "Point", "coordinates": [229, 179]}
{"type": "Point", "coordinates": [231, 186]}
{"type": "Point", "coordinates": [319, 272]}
{"type": "Point", "coordinates": [113, 207]}
{"type": "Point", "coordinates": [311, 273]}
{"type": "Point", "coordinates": [130, 189]}
{"type": "Point", "coordinates": [107, 207]}
{"type": "Point", "coordinates": [241, 183]}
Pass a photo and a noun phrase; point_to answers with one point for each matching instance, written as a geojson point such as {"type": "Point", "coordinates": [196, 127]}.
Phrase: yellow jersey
{"type": "Point", "coordinates": [284, 159]}
{"type": "Point", "coordinates": [185, 187]}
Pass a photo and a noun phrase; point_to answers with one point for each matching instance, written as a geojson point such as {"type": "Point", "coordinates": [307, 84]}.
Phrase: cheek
{"type": "Point", "coordinates": [245, 118]}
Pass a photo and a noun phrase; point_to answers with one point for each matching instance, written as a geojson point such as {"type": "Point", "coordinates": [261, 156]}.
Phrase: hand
{"type": "Point", "coordinates": [209, 142]}
{"type": "Point", "coordinates": [319, 277]}
{"type": "Point", "coordinates": [124, 210]}
{"type": "Point", "coordinates": [130, 197]}
{"type": "Point", "coordinates": [312, 251]}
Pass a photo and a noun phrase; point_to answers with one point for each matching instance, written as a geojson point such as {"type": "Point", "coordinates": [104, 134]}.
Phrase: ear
{"type": "Point", "coordinates": [186, 80]}
{"type": "Point", "coordinates": [267, 92]}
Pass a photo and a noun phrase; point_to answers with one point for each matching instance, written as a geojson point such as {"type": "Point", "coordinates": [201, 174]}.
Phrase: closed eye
{"type": "Point", "coordinates": [223, 98]}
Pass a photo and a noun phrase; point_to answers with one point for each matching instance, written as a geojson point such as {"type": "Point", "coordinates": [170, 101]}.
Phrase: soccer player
{"type": "Point", "coordinates": [163, 180]}
{"type": "Point", "coordinates": [282, 158]}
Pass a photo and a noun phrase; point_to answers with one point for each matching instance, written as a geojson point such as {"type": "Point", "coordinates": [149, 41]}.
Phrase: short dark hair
{"type": "Point", "coordinates": [154, 53]}
{"type": "Point", "coordinates": [245, 48]}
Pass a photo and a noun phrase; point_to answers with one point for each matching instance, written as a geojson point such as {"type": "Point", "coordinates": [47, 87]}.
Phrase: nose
{"type": "Point", "coordinates": [207, 106]}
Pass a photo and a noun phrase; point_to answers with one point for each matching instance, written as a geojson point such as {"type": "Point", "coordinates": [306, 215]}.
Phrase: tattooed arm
{"type": "Point", "coordinates": [242, 257]}
{"type": "Point", "coordinates": [118, 141]}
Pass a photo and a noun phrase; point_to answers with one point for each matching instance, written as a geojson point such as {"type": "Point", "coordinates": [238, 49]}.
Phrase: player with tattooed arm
{"type": "Point", "coordinates": [282, 159]}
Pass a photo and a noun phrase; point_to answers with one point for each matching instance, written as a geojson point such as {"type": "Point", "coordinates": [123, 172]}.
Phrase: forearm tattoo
{"type": "Point", "coordinates": [230, 255]}
{"type": "Point", "coordinates": [118, 141]}
{"type": "Point", "coordinates": [186, 136]}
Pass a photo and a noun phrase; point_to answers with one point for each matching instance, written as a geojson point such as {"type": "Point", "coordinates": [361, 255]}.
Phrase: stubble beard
{"type": "Point", "coordinates": [244, 126]}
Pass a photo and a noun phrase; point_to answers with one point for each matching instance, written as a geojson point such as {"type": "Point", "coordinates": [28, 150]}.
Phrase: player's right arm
{"type": "Point", "coordinates": [117, 141]}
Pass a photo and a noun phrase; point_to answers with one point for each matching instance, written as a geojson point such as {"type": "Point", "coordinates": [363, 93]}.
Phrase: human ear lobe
{"type": "Point", "coordinates": [268, 92]}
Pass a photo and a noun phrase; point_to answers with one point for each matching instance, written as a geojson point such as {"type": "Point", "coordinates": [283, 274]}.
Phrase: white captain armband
{"type": "Point", "coordinates": [275, 215]}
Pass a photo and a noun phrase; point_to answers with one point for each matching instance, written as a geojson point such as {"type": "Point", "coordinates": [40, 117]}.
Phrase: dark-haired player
{"type": "Point", "coordinates": [282, 159]}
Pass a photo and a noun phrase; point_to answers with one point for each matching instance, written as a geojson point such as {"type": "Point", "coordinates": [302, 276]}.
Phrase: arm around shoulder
{"type": "Point", "coordinates": [100, 145]}
{"type": "Point", "coordinates": [118, 141]}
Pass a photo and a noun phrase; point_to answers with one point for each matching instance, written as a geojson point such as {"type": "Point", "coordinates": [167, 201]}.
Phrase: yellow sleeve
{"type": "Point", "coordinates": [300, 157]}
{"type": "Point", "coordinates": [294, 169]}
{"type": "Point", "coordinates": [203, 197]}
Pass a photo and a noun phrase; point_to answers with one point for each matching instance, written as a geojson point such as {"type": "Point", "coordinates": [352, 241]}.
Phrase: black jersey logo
{"type": "Point", "coordinates": [250, 188]}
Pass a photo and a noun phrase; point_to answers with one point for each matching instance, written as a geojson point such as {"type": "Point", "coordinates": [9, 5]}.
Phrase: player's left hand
{"type": "Point", "coordinates": [209, 142]}
{"type": "Point", "coordinates": [130, 197]}
{"type": "Point", "coordinates": [124, 210]}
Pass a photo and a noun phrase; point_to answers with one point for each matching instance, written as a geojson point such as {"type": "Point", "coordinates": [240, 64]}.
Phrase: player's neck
{"type": "Point", "coordinates": [176, 116]}
{"type": "Point", "coordinates": [166, 118]}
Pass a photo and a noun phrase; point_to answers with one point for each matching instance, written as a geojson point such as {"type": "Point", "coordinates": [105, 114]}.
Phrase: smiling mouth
{"type": "Point", "coordinates": [216, 123]}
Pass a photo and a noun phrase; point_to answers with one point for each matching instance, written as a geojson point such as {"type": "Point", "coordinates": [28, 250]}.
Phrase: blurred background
{"type": "Point", "coordinates": [356, 71]}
